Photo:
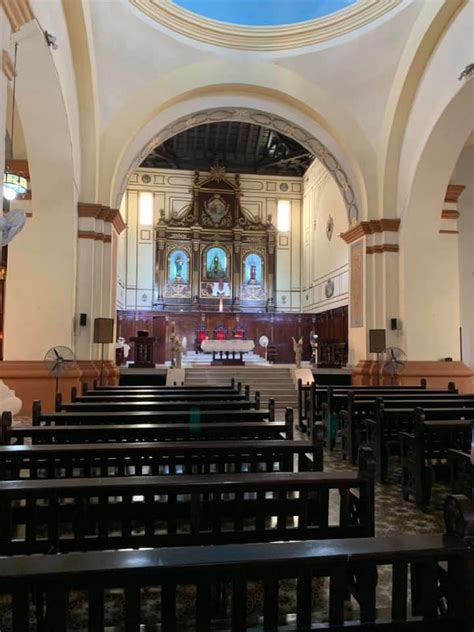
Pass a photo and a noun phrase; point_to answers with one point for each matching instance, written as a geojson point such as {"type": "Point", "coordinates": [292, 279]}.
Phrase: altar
{"type": "Point", "coordinates": [227, 352]}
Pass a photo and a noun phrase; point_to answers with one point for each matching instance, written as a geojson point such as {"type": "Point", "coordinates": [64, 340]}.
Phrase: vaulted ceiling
{"type": "Point", "coordinates": [239, 147]}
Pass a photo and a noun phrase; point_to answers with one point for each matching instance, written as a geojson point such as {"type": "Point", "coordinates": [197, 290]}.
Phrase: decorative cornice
{"type": "Point", "coordinates": [7, 65]}
{"type": "Point", "coordinates": [447, 214]}
{"type": "Point", "coordinates": [95, 236]}
{"type": "Point", "coordinates": [189, 24]}
{"type": "Point", "coordinates": [453, 192]}
{"type": "Point", "coordinates": [18, 12]}
{"type": "Point", "coordinates": [371, 250]}
{"type": "Point", "coordinates": [104, 213]}
{"type": "Point", "coordinates": [369, 227]}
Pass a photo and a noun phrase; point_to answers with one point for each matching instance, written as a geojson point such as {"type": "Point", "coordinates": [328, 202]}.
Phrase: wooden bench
{"type": "Point", "coordinates": [382, 433]}
{"type": "Point", "coordinates": [189, 413]}
{"type": "Point", "coordinates": [183, 457]}
{"type": "Point", "coordinates": [63, 515]}
{"type": "Point", "coordinates": [442, 565]}
{"type": "Point", "coordinates": [135, 403]}
{"type": "Point", "coordinates": [174, 394]}
{"type": "Point", "coordinates": [424, 453]}
{"type": "Point", "coordinates": [359, 408]}
{"type": "Point", "coordinates": [233, 385]}
{"type": "Point", "coordinates": [316, 403]}
{"type": "Point", "coordinates": [256, 430]}
{"type": "Point", "coordinates": [461, 472]}
{"type": "Point", "coordinates": [313, 395]}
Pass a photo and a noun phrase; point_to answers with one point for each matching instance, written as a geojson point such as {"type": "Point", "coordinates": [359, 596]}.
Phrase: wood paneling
{"type": "Point", "coordinates": [331, 326]}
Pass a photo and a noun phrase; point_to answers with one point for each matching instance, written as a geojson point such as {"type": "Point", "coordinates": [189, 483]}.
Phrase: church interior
{"type": "Point", "coordinates": [237, 315]}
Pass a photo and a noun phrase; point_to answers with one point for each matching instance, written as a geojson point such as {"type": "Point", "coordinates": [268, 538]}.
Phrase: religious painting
{"type": "Point", "coordinates": [178, 267]}
{"type": "Point", "coordinates": [217, 210]}
{"type": "Point", "coordinates": [216, 289]}
{"type": "Point", "coordinates": [216, 263]}
{"type": "Point", "coordinates": [357, 285]}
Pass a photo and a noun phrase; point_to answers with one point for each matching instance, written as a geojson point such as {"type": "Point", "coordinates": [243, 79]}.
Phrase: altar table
{"type": "Point", "coordinates": [221, 350]}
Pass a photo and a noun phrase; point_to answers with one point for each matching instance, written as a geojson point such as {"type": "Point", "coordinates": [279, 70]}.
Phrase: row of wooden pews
{"type": "Point", "coordinates": [201, 511]}
{"type": "Point", "coordinates": [427, 429]}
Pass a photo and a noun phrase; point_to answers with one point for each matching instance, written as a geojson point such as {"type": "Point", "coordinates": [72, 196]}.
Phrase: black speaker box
{"type": "Point", "coordinates": [103, 330]}
{"type": "Point", "coordinates": [393, 324]}
{"type": "Point", "coordinates": [376, 340]}
{"type": "Point", "coordinates": [83, 320]}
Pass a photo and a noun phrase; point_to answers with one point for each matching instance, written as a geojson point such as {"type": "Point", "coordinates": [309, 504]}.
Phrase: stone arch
{"type": "Point", "coordinates": [42, 260]}
{"type": "Point", "coordinates": [258, 117]}
{"type": "Point", "coordinates": [429, 271]}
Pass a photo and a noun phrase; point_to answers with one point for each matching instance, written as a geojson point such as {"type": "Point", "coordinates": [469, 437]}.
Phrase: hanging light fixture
{"type": "Point", "coordinates": [14, 184]}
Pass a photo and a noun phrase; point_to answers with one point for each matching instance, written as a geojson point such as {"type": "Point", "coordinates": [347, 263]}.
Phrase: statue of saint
{"type": "Point", "coordinates": [215, 269]}
{"type": "Point", "coordinates": [177, 352]}
{"type": "Point", "coordinates": [179, 268]}
{"type": "Point", "coordinates": [253, 274]}
{"type": "Point", "coordinates": [298, 349]}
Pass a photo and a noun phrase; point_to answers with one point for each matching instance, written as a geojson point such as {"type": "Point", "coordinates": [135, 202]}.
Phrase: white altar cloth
{"type": "Point", "coordinates": [231, 346]}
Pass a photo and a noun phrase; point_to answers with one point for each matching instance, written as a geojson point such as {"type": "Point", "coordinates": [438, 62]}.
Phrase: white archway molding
{"type": "Point", "coordinates": [40, 289]}
{"type": "Point", "coordinates": [248, 115]}
{"type": "Point", "coordinates": [280, 91]}
{"type": "Point", "coordinates": [427, 31]}
{"type": "Point", "coordinates": [438, 86]}
{"type": "Point", "coordinates": [429, 267]}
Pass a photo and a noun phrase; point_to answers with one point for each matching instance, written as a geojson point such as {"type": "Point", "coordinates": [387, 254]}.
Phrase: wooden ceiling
{"type": "Point", "coordinates": [239, 147]}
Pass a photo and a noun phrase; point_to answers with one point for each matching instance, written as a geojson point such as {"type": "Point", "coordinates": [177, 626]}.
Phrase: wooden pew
{"type": "Point", "coordinates": [232, 387]}
{"type": "Point", "coordinates": [63, 515]}
{"type": "Point", "coordinates": [461, 472]}
{"type": "Point", "coordinates": [359, 408]}
{"type": "Point", "coordinates": [424, 452]}
{"type": "Point", "coordinates": [314, 395]}
{"type": "Point", "coordinates": [382, 432]}
{"type": "Point", "coordinates": [134, 403]}
{"type": "Point", "coordinates": [441, 563]}
{"type": "Point", "coordinates": [187, 413]}
{"type": "Point", "coordinates": [317, 403]}
{"type": "Point", "coordinates": [256, 430]}
{"type": "Point", "coordinates": [165, 393]}
{"type": "Point", "coordinates": [31, 462]}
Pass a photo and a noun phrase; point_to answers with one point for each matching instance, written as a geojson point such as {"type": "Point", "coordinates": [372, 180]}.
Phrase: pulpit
{"type": "Point", "coordinates": [143, 351]}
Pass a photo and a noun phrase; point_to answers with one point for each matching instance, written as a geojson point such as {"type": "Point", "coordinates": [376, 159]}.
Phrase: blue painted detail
{"type": "Point", "coordinates": [264, 12]}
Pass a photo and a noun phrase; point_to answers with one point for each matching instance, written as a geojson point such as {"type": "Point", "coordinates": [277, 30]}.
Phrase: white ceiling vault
{"type": "Point", "coordinates": [144, 74]}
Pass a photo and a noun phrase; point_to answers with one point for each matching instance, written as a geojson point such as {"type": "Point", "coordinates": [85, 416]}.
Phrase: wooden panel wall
{"type": "Point", "coordinates": [279, 327]}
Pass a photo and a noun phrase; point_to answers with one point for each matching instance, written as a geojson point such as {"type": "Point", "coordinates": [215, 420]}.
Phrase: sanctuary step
{"type": "Point", "coordinates": [272, 382]}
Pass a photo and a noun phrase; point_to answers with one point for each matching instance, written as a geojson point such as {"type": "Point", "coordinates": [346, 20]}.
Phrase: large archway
{"type": "Point", "coordinates": [259, 117]}
{"type": "Point", "coordinates": [429, 266]}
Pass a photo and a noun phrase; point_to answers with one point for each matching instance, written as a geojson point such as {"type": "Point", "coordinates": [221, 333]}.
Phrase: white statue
{"type": "Point", "coordinates": [298, 349]}
{"type": "Point", "coordinates": [184, 343]}
{"type": "Point", "coordinates": [8, 400]}
{"type": "Point", "coordinates": [177, 352]}
{"type": "Point", "coordinates": [121, 344]}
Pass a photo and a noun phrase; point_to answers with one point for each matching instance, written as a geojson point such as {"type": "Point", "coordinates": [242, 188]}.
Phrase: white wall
{"type": "Point", "coordinates": [464, 174]}
{"type": "Point", "coordinates": [323, 259]}
{"type": "Point", "coordinates": [172, 191]}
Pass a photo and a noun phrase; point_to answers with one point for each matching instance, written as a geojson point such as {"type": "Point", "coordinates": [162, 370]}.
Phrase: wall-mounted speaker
{"type": "Point", "coordinates": [394, 324]}
{"type": "Point", "coordinates": [376, 340]}
{"type": "Point", "coordinates": [83, 320]}
{"type": "Point", "coordinates": [103, 330]}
